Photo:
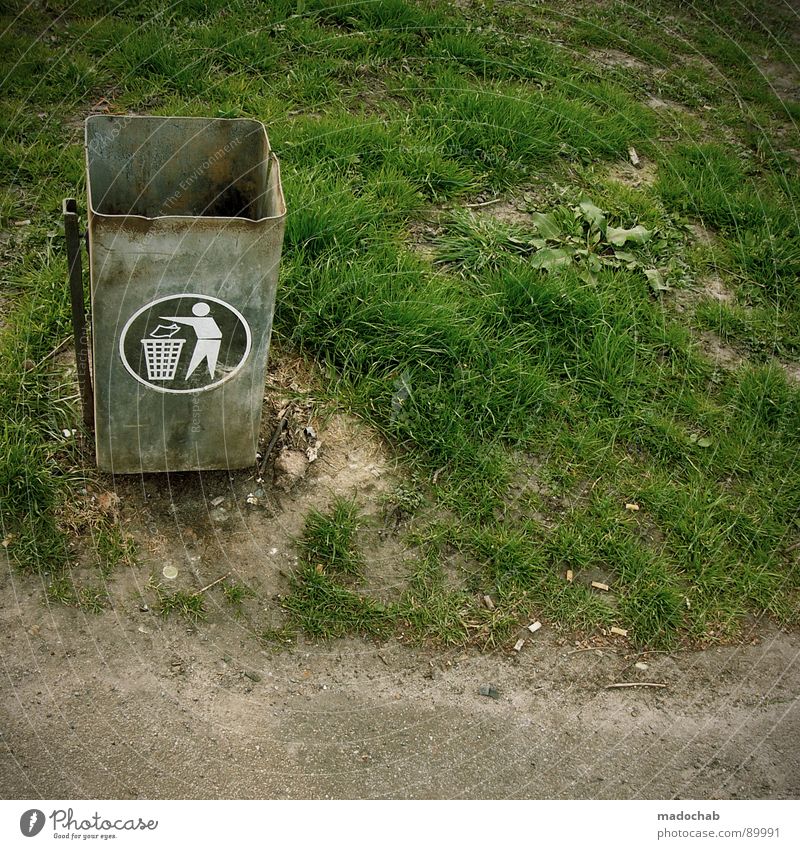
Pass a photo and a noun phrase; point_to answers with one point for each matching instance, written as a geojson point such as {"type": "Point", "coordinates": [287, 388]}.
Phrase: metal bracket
{"type": "Point", "coordinates": [73, 238]}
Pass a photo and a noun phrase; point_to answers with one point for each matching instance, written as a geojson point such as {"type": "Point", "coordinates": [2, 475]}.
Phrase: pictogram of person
{"type": "Point", "coordinates": [209, 337]}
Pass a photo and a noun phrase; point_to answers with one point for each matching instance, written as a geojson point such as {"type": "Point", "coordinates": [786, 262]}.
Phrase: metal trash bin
{"type": "Point", "coordinates": [185, 227]}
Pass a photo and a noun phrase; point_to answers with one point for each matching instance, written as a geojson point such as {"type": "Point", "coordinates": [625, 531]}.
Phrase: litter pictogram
{"type": "Point", "coordinates": [162, 352]}
{"type": "Point", "coordinates": [153, 344]}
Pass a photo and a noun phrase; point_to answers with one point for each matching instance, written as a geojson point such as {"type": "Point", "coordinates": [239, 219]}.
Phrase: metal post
{"type": "Point", "coordinates": [73, 238]}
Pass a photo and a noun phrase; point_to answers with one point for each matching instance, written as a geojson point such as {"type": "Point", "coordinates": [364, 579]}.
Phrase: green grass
{"type": "Point", "coordinates": [188, 605]}
{"type": "Point", "coordinates": [329, 539]}
{"type": "Point", "coordinates": [235, 595]}
{"type": "Point", "coordinates": [501, 354]}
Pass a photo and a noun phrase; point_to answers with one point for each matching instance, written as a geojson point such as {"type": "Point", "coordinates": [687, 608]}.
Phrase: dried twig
{"type": "Point", "coordinates": [57, 350]}
{"type": "Point", "coordinates": [593, 648]}
{"type": "Point", "coordinates": [484, 203]}
{"type": "Point", "coordinates": [212, 584]}
{"type": "Point", "coordinates": [282, 422]}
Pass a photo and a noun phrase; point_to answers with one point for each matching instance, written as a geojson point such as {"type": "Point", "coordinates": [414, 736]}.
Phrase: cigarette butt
{"type": "Point", "coordinates": [633, 156]}
{"type": "Point", "coordinates": [519, 644]}
{"type": "Point", "coordinates": [634, 508]}
{"type": "Point", "coordinates": [570, 575]}
{"type": "Point", "coordinates": [487, 600]}
{"type": "Point", "coordinates": [620, 632]}
{"type": "Point", "coordinates": [534, 626]}
{"type": "Point", "coordinates": [598, 586]}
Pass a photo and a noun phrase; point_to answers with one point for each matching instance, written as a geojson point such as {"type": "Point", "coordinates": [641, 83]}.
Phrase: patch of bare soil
{"type": "Point", "coordinates": [421, 238]}
{"type": "Point", "coordinates": [708, 287]}
{"type": "Point", "coordinates": [659, 103]}
{"type": "Point", "coordinates": [722, 355]}
{"type": "Point", "coordinates": [245, 523]}
{"type": "Point", "coordinates": [129, 704]}
{"type": "Point", "coordinates": [611, 58]}
{"type": "Point", "coordinates": [507, 211]}
{"type": "Point", "coordinates": [783, 79]}
{"type": "Point", "coordinates": [635, 176]}
{"type": "Point", "coordinates": [791, 369]}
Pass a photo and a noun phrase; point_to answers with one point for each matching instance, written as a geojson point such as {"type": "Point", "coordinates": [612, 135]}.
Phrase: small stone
{"type": "Point", "coordinates": [290, 468]}
{"type": "Point", "coordinates": [642, 665]}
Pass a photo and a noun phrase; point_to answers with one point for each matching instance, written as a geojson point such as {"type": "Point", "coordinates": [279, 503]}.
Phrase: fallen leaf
{"type": "Point", "coordinates": [656, 280]}
{"type": "Point", "coordinates": [593, 215]}
{"type": "Point", "coordinates": [551, 258]}
{"type": "Point", "coordinates": [619, 236]}
{"type": "Point", "coordinates": [108, 502]}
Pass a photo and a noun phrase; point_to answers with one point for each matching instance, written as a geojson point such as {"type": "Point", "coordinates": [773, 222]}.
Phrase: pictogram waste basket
{"type": "Point", "coordinates": [185, 224]}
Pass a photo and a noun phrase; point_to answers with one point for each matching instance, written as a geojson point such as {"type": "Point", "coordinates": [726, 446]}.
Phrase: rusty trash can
{"type": "Point", "coordinates": [185, 228]}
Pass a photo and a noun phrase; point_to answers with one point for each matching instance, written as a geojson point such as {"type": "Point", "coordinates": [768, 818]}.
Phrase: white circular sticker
{"type": "Point", "coordinates": [185, 343]}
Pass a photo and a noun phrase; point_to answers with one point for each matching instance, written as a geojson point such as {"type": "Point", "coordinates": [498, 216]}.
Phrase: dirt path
{"type": "Point", "coordinates": [115, 706]}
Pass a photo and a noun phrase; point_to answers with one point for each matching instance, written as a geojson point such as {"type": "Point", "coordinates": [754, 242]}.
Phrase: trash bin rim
{"type": "Point", "coordinates": [271, 156]}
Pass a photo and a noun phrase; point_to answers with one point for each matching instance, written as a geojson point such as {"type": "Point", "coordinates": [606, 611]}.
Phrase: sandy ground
{"type": "Point", "coordinates": [106, 707]}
